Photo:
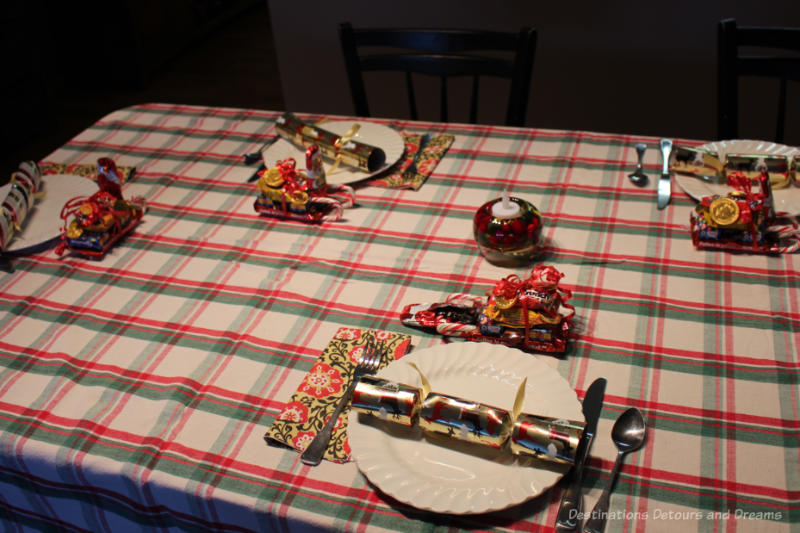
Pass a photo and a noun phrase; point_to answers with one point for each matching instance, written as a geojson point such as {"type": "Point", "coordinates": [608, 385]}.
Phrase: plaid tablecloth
{"type": "Point", "coordinates": [136, 390]}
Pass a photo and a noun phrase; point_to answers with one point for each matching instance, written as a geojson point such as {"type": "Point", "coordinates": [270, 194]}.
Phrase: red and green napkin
{"type": "Point", "coordinates": [311, 405]}
{"type": "Point", "coordinates": [398, 177]}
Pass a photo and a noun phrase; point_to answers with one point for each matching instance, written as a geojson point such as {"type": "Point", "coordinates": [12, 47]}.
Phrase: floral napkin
{"type": "Point", "coordinates": [431, 154]}
{"type": "Point", "coordinates": [79, 169]}
{"type": "Point", "coordinates": [308, 409]}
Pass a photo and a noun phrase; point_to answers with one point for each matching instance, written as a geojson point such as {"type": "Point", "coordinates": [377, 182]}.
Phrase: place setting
{"type": "Point", "coordinates": [747, 192]}
{"type": "Point", "coordinates": [329, 159]}
{"type": "Point", "coordinates": [463, 428]}
{"type": "Point", "coordinates": [471, 426]}
{"type": "Point", "coordinates": [59, 206]}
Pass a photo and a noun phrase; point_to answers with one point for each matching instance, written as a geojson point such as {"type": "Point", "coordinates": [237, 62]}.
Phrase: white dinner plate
{"type": "Point", "coordinates": [44, 222]}
{"type": "Point", "coordinates": [376, 135]}
{"type": "Point", "coordinates": [787, 199]}
{"type": "Point", "coordinates": [449, 476]}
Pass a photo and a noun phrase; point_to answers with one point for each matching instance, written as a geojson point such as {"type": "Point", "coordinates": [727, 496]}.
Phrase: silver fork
{"type": "Point", "coordinates": [368, 363]}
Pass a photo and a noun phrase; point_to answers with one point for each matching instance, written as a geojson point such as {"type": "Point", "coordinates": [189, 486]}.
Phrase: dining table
{"type": "Point", "coordinates": [138, 390]}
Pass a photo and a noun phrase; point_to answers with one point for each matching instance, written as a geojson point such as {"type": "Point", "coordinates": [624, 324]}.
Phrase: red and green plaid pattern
{"type": "Point", "coordinates": [135, 390]}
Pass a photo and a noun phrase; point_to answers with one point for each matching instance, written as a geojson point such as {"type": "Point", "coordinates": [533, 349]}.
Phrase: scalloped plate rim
{"type": "Point", "coordinates": [396, 477]}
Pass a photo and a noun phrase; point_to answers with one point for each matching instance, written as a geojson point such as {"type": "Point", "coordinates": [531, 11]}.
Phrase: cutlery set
{"type": "Point", "coordinates": [571, 501]}
{"type": "Point", "coordinates": [628, 434]}
{"type": "Point", "coordinates": [640, 179]}
{"type": "Point", "coordinates": [665, 182]}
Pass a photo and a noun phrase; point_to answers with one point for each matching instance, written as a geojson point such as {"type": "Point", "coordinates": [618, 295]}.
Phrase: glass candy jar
{"type": "Point", "coordinates": [508, 231]}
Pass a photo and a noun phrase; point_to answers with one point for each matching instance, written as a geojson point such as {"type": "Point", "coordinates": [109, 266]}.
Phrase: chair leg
{"type": "Point", "coordinates": [444, 99]}
{"type": "Point", "coordinates": [412, 100]}
{"type": "Point", "coordinates": [779, 129]}
{"type": "Point", "coordinates": [727, 81]}
{"type": "Point", "coordinates": [473, 108]}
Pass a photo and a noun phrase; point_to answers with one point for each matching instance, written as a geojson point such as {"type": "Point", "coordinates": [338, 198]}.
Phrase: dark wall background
{"type": "Point", "coordinates": [622, 66]}
{"type": "Point", "coordinates": [65, 65]}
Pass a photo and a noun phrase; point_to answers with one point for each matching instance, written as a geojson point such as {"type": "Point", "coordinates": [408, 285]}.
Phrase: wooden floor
{"type": "Point", "coordinates": [233, 66]}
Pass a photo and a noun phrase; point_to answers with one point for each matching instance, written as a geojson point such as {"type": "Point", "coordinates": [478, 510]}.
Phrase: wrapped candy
{"type": "Point", "coordinates": [340, 148]}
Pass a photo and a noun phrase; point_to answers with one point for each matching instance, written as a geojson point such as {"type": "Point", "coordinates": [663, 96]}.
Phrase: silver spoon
{"type": "Point", "coordinates": [638, 177]}
{"type": "Point", "coordinates": [628, 435]}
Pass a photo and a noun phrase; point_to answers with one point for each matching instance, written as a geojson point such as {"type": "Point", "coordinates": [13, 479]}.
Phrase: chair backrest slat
{"type": "Point", "coordinates": [438, 65]}
{"type": "Point", "coordinates": [734, 62]}
{"type": "Point", "coordinates": [442, 53]}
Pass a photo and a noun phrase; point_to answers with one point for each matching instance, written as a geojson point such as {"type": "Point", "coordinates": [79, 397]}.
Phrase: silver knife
{"type": "Point", "coordinates": [412, 168]}
{"type": "Point", "coordinates": [569, 512]}
{"type": "Point", "coordinates": [665, 183]}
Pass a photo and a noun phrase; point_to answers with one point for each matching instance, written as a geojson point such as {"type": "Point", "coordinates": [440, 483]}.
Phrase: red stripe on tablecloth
{"type": "Point", "coordinates": [737, 492]}
{"type": "Point", "coordinates": [203, 459]}
{"type": "Point", "coordinates": [699, 267]}
{"type": "Point", "coordinates": [301, 301]}
{"type": "Point", "coordinates": [684, 357]}
{"type": "Point", "coordinates": [723, 419]}
{"type": "Point", "coordinates": [705, 417]}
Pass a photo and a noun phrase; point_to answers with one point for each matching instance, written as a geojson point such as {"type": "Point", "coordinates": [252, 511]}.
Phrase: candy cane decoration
{"type": "Point", "coordinates": [453, 329]}
{"type": "Point", "coordinates": [344, 194]}
{"type": "Point", "coordinates": [460, 298]}
{"type": "Point", "coordinates": [336, 209]}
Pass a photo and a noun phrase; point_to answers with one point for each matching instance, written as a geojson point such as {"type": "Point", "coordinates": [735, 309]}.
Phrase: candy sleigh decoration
{"type": "Point", "coordinates": [744, 220]}
{"type": "Point", "coordinates": [285, 192]}
{"type": "Point", "coordinates": [92, 225]}
{"type": "Point", "coordinates": [531, 314]}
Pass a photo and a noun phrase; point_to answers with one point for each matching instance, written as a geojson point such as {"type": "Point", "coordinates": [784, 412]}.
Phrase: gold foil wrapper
{"type": "Point", "coordinates": [387, 400]}
{"type": "Point", "coordinates": [465, 420]}
{"type": "Point", "coordinates": [546, 438]}
{"type": "Point", "coordinates": [339, 148]}
{"type": "Point", "coordinates": [688, 160]}
{"type": "Point", "coordinates": [778, 167]}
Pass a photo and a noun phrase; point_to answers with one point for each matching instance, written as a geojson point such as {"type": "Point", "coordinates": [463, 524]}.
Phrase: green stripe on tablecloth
{"type": "Point", "coordinates": [411, 242]}
{"type": "Point", "coordinates": [640, 306]}
{"type": "Point", "coordinates": [184, 393]}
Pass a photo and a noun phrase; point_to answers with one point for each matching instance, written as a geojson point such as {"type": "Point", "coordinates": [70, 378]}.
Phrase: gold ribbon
{"type": "Point", "coordinates": [340, 142]}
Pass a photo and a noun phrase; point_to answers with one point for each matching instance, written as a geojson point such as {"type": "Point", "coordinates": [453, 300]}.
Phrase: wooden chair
{"type": "Point", "coordinates": [442, 53]}
{"type": "Point", "coordinates": [733, 63]}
